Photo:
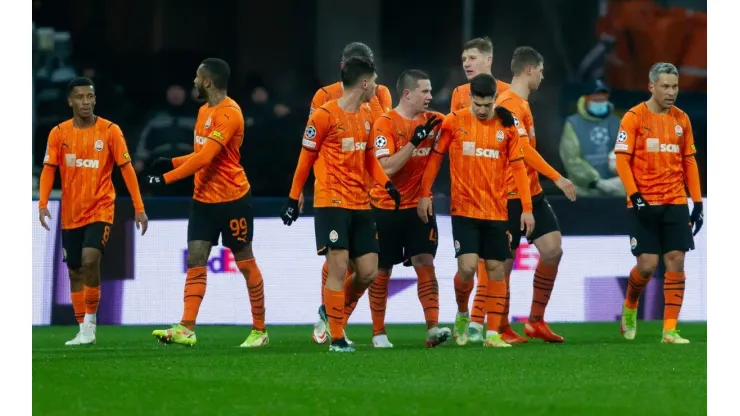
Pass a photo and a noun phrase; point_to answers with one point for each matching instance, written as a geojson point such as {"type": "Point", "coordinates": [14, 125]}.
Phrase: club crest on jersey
{"type": "Point", "coordinates": [500, 136]}
{"type": "Point", "coordinates": [367, 126]}
{"type": "Point", "coordinates": [333, 236]}
{"type": "Point", "coordinates": [380, 142]}
{"type": "Point", "coordinates": [457, 246]}
{"type": "Point", "coordinates": [208, 123]}
{"type": "Point", "coordinates": [310, 132]}
{"type": "Point", "coordinates": [679, 130]}
{"type": "Point", "coordinates": [633, 243]}
{"type": "Point", "coordinates": [98, 145]}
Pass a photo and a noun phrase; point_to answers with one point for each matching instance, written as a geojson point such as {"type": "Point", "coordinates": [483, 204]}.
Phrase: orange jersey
{"type": "Point", "coordinates": [341, 140]}
{"type": "Point", "coordinates": [391, 132]}
{"type": "Point", "coordinates": [223, 179]}
{"type": "Point", "coordinates": [524, 122]}
{"type": "Point", "coordinates": [480, 155]}
{"type": "Point", "coordinates": [85, 158]}
{"type": "Point", "coordinates": [657, 145]}
{"type": "Point", "coordinates": [461, 94]}
{"type": "Point", "coordinates": [378, 105]}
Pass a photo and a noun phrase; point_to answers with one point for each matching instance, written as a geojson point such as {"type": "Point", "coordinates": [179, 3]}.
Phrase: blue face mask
{"type": "Point", "coordinates": [599, 109]}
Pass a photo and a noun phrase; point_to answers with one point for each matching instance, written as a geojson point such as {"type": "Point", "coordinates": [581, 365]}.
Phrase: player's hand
{"type": "Point", "coordinates": [425, 209]}
{"type": "Point", "coordinates": [154, 181]}
{"type": "Point", "coordinates": [161, 165]}
{"type": "Point", "coordinates": [527, 223]}
{"type": "Point", "coordinates": [697, 217]}
{"type": "Point", "coordinates": [567, 187]}
{"type": "Point", "coordinates": [290, 212]}
{"type": "Point", "coordinates": [142, 222]}
{"type": "Point", "coordinates": [422, 132]}
{"type": "Point", "coordinates": [301, 201]}
{"type": "Point", "coordinates": [43, 215]}
{"type": "Point", "coordinates": [640, 205]}
{"type": "Point", "coordinates": [394, 193]}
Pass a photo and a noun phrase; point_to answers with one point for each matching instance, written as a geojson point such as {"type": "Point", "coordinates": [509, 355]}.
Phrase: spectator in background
{"type": "Point", "coordinates": [168, 134]}
{"type": "Point", "coordinates": [587, 145]}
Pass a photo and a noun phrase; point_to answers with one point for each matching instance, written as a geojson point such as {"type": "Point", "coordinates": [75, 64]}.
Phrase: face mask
{"type": "Point", "coordinates": [599, 109]}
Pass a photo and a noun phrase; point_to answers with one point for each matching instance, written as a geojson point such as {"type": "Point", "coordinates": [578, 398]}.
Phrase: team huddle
{"type": "Point", "coordinates": [375, 167]}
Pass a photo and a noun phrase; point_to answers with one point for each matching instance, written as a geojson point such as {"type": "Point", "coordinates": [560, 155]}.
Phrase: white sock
{"type": "Point", "coordinates": [91, 318]}
{"type": "Point", "coordinates": [476, 325]}
{"type": "Point", "coordinates": [489, 333]}
{"type": "Point", "coordinates": [81, 326]}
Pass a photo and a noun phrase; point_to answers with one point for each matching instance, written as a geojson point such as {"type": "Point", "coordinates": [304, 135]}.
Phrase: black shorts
{"type": "Point", "coordinates": [233, 221]}
{"type": "Point", "coordinates": [490, 240]}
{"type": "Point", "coordinates": [667, 230]}
{"type": "Point", "coordinates": [402, 235]}
{"type": "Point", "coordinates": [545, 220]}
{"type": "Point", "coordinates": [340, 228]}
{"type": "Point", "coordinates": [93, 235]}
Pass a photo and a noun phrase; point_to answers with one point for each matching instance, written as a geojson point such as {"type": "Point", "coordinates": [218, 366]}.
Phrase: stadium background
{"type": "Point", "coordinates": [137, 49]}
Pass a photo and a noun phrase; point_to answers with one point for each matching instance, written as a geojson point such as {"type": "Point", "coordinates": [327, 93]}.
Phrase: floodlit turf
{"type": "Point", "coordinates": [595, 372]}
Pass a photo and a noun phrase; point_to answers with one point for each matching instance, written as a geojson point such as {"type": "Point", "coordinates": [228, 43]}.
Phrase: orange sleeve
{"type": "Point", "coordinates": [318, 100]}
{"type": "Point", "coordinates": [132, 184]}
{"type": "Point", "coordinates": [627, 135]}
{"type": "Point", "coordinates": [384, 96]}
{"type": "Point", "coordinates": [625, 172]}
{"type": "Point", "coordinates": [118, 146]}
{"type": "Point", "coordinates": [197, 162]}
{"type": "Point", "coordinates": [53, 145]}
{"type": "Point", "coordinates": [519, 171]}
{"type": "Point", "coordinates": [435, 159]}
{"type": "Point", "coordinates": [455, 101]}
{"type": "Point", "coordinates": [46, 182]}
{"type": "Point", "coordinates": [305, 163]}
{"type": "Point", "coordinates": [533, 158]}
{"type": "Point", "coordinates": [374, 168]}
{"type": "Point", "coordinates": [178, 161]}
{"type": "Point", "coordinates": [691, 170]}
{"type": "Point", "coordinates": [385, 142]}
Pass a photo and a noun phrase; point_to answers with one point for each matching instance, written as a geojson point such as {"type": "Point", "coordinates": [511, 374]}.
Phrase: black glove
{"type": "Point", "coordinates": [393, 192]}
{"type": "Point", "coordinates": [422, 132]}
{"type": "Point", "coordinates": [640, 205]}
{"type": "Point", "coordinates": [154, 182]}
{"type": "Point", "coordinates": [289, 213]}
{"type": "Point", "coordinates": [697, 216]}
{"type": "Point", "coordinates": [161, 165]}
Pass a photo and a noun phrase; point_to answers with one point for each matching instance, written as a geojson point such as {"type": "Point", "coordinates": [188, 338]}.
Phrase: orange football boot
{"type": "Point", "coordinates": [541, 330]}
{"type": "Point", "coordinates": [511, 337]}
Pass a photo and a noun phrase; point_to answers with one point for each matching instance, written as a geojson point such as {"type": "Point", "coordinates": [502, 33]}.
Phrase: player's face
{"type": "Point", "coordinates": [475, 62]}
{"type": "Point", "coordinates": [665, 90]}
{"type": "Point", "coordinates": [369, 86]}
{"type": "Point", "coordinates": [201, 83]}
{"type": "Point", "coordinates": [420, 97]}
{"type": "Point", "coordinates": [82, 101]}
{"type": "Point", "coordinates": [482, 107]}
{"type": "Point", "coordinates": [536, 76]}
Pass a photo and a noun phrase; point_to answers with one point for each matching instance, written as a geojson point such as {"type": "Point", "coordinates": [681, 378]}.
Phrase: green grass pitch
{"type": "Point", "coordinates": [595, 372]}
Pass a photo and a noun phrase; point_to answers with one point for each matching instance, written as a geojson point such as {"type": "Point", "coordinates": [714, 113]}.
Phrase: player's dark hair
{"type": "Point", "coordinates": [357, 49]}
{"type": "Point", "coordinates": [483, 44]}
{"type": "Point", "coordinates": [354, 69]}
{"type": "Point", "coordinates": [524, 56]}
{"type": "Point", "coordinates": [409, 80]}
{"type": "Point", "coordinates": [485, 86]}
{"type": "Point", "coordinates": [219, 72]}
{"type": "Point", "coordinates": [79, 82]}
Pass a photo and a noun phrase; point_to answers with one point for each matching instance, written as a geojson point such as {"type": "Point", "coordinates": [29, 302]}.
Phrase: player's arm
{"type": "Point", "coordinates": [46, 181]}
{"type": "Point", "coordinates": [372, 164]}
{"type": "Point", "coordinates": [178, 161]}
{"type": "Point", "coordinates": [316, 132]}
{"type": "Point", "coordinates": [317, 101]}
{"type": "Point", "coordinates": [455, 100]}
{"type": "Point", "coordinates": [516, 153]}
{"type": "Point", "coordinates": [119, 150]}
{"type": "Point", "coordinates": [449, 125]}
{"type": "Point", "coordinates": [624, 148]}
{"type": "Point", "coordinates": [226, 123]}
{"type": "Point", "coordinates": [384, 97]}
{"type": "Point", "coordinates": [690, 168]}
{"type": "Point", "coordinates": [385, 147]}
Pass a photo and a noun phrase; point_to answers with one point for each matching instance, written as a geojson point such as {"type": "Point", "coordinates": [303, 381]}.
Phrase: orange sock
{"type": "Point", "coordinates": [324, 276]}
{"type": "Point", "coordinates": [481, 291]}
{"type": "Point", "coordinates": [78, 304]}
{"type": "Point", "coordinates": [505, 319]}
{"type": "Point", "coordinates": [428, 290]}
{"type": "Point", "coordinates": [673, 290]}
{"type": "Point", "coordinates": [462, 293]}
{"type": "Point", "coordinates": [92, 299]}
{"type": "Point", "coordinates": [544, 281]}
{"type": "Point", "coordinates": [378, 292]}
{"type": "Point", "coordinates": [195, 289]}
{"type": "Point", "coordinates": [335, 312]}
{"type": "Point", "coordinates": [352, 294]}
{"type": "Point", "coordinates": [256, 288]}
{"type": "Point", "coordinates": [495, 304]}
{"type": "Point", "coordinates": [635, 286]}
